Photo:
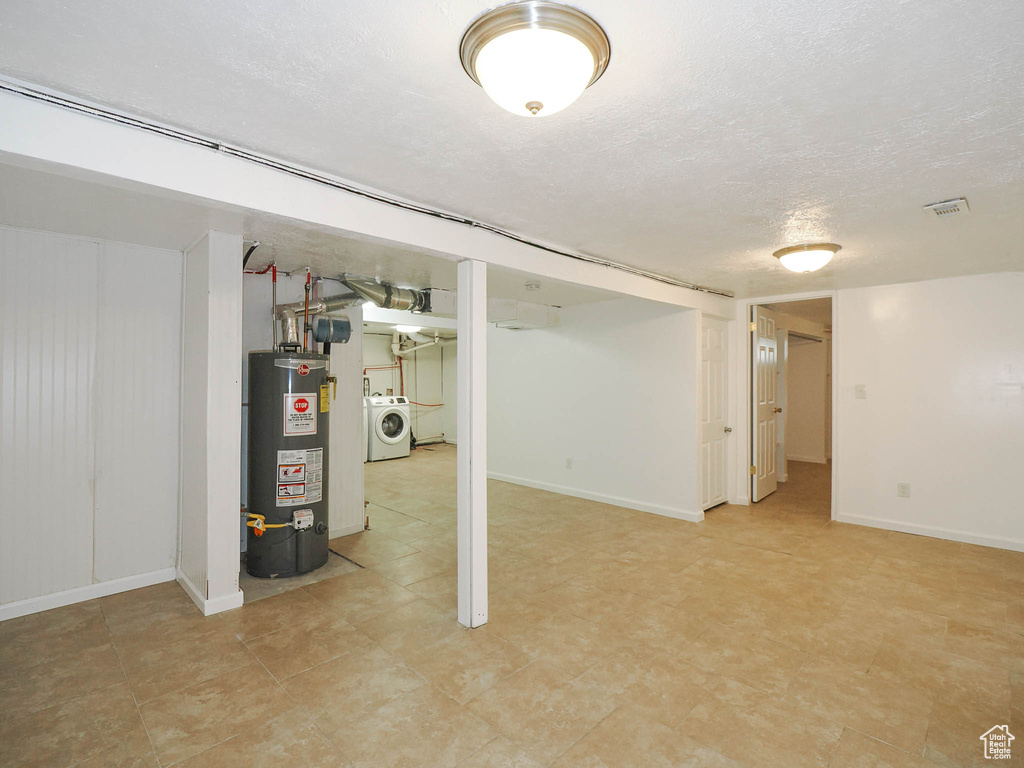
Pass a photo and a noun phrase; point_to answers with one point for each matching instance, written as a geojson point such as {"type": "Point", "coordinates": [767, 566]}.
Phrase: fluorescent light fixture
{"type": "Point", "coordinates": [407, 328]}
{"type": "Point", "coordinates": [534, 58]}
{"type": "Point", "coordinates": [806, 258]}
{"type": "Point", "coordinates": [368, 304]}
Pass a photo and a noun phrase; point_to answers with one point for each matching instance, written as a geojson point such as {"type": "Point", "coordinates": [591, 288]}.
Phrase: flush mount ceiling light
{"type": "Point", "coordinates": [534, 58]}
{"type": "Point", "coordinates": [806, 258]}
{"type": "Point", "coordinates": [408, 328]}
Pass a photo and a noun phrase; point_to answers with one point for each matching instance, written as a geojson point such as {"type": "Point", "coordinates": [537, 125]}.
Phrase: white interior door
{"type": "Point", "coordinates": [713, 399]}
{"type": "Point", "coordinates": [782, 344]}
{"type": "Point", "coordinates": [764, 405]}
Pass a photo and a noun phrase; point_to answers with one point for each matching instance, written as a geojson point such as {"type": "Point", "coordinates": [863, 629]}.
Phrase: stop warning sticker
{"type": "Point", "coordinates": [299, 414]}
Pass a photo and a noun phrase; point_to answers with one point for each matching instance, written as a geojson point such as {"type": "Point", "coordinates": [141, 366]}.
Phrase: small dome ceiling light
{"type": "Point", "coordinates": [806, 258]}
{"type": "Point", "coordinates": [534, 58]}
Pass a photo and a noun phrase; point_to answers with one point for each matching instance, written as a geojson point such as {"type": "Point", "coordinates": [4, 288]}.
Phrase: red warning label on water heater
{"type": "Point", "coordinates": [299, 414]}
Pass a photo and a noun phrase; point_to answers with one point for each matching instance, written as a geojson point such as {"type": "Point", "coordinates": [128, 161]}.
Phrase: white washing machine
{"type": "Point", "coordinates": [387, 427]}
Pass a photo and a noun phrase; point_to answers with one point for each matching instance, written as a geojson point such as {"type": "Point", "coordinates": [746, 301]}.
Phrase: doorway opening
{"type": "Point", "coordinates": [791, 408]}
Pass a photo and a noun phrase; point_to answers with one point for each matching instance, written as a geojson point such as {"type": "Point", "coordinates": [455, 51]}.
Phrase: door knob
{"type": "Point", "coordinates": [778, 410]}
{"type": "Point", "coordinates": [727, 429]}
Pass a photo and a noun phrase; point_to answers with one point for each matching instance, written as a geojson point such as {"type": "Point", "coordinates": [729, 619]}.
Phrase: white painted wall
{"type": "Point", "coordinates": [345, 471]}
{"type": "Point", "coordinates": [581, 391]}
{"type": "Point", "coordinates": [943, 362]}
{"type": "Point", "coordinates": [807, 401]}
{"type": "Point", "coordinates": [211, 422]}
{"type": "Point", "coordinates": [89, 411]}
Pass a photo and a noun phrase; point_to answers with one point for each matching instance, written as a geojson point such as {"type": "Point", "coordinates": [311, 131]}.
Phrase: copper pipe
{"type": "Point", "coordinates": [305, 315]}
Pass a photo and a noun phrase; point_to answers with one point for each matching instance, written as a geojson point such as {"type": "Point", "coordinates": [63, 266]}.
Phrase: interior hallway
{"type": "Point", "coordinates": [766, 636]}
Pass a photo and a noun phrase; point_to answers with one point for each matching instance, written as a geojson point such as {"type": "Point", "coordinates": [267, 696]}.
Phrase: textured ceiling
{"type": "Point", "coordinates": [720, 132]}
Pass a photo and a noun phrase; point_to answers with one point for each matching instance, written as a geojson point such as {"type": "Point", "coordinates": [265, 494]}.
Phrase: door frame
{"type": "Point", "coordinates": [741, 351]}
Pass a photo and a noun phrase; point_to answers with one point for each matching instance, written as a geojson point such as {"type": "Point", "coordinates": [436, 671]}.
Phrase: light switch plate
{"type": "Point", "coordinates": [860, 391]}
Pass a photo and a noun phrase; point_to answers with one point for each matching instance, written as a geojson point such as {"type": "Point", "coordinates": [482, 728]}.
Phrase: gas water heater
{"type": "Point", "coordinates": [289, 426]}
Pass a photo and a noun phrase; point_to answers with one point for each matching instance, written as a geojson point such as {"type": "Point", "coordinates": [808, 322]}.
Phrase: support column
{"type": "Point", "coordinates": [472, 442]}
{"type": "Point", "coordinates": [211, 423]}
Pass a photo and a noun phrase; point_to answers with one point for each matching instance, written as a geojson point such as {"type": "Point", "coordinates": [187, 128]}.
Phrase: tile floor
{"type": "Point", "coordinates": [766, 636]}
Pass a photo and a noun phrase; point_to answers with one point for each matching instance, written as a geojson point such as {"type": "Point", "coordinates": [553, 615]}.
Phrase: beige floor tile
{"type": "Point", "coordinates": [757, 728]}
{"type": "Point", "coordinates": [286, 741]}
{"type": "Point", "coordinates": [163, 657]}
{"type": "Point", "coordinates": [360, 595]}
{"type": "Point", "coordinates": [652, 684]}
{"type": "Point", "coordinates": [567, 641]}
{"type": "Point", "coordinates": [954, 733]}
{"type": "Point", "coordinates": [421, 728]}
{"type": "Point", "coordinates": [443, 546]}
{"type": "Point", "coordinates": [627, 739]}
{"type": "Point", "coordinates": [123, 755]}
{"type": "Point", "coordinates": [944, 676]}
{"type": "Point", "coordinates": [67, 630]}
{"type": "Point", "coordinates": [744, 657]}
{"type": "Point", "coordinates": [511, 612]}
{"type": "Point", "coordinates": [827, 632]}
{"type": "Point", "coordinates": [411, 627]}
{"type": "Point", "coordinates": [442, 589]}
{"type": "Point", "coordinates": [57, 679]}
{"type": "Point", "coordinates": [272, 613]}
{"type": "Point", "coordinates": [467, 663]}
{"type": "Point", "coordinates": [305, 644]}
{"type": "Point", "coordinates": [409, 532]}
{"type": "Point", "coordinates": [878, 704]}
{"type": "Point", "coordinates": [542, 709]}
{"type": "Point", "coordinates": [856, 750]}
{"type": "Point", "coordinates": [370, 548]}
{"type": "Point", "coordinates": [186, 722]}
{"type": "Point", "coordinates": [500, 753]}
{"type": "Point", "coordinates": [992, 646]}
{"type": "Point", "coordinates": [384, 519]}
{"type": "Point", "coordinates": [74, 731]}
{"type": "Point", "coordinates": [351, 686]}
{"type": "Point", "coordinates": [139, 609]}
{"type": "Point", "coordinates": [412, 568]}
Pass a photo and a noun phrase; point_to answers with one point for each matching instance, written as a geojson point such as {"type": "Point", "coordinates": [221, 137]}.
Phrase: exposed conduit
{"type": "Point", "coordinates": [277, 165]}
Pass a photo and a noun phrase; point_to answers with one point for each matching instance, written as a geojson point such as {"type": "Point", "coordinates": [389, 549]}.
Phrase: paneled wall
{"type": "Point", "coordinates": [89, 377]}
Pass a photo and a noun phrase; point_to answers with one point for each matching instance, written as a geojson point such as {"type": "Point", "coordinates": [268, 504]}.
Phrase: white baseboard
{"type": "Point", "coordinates": [640, 506]}
{"type": "Point", "coordinates": [740, 501]}
{"type": "Point", "coordinates": [347, 530]}
{"type": "Point", "coordinates": [81, 594]}
{"type": "Point", "coordinates": [938, 533]}
{"type": "Point", "coordinates": [808, 459]}
{"type": "Point", "coordinates": [209, 606]}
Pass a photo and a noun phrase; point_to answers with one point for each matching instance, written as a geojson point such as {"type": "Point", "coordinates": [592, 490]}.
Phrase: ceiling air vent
{"type": "Point", "coordinates": [948, 208]}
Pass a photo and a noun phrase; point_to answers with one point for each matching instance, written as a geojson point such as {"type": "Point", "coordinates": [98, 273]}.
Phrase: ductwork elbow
{"type": "Point", "coordinates": [388, 296]}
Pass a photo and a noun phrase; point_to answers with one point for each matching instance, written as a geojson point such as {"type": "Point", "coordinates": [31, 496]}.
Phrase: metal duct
{"type": "Point", "coordinates": [388, 296]}
{"type": "Point", "coordinates": [288, 314]}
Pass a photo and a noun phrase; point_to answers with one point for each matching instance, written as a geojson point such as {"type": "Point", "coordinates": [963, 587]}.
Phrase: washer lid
{"type": "Point", "coordinates": [391, 425]}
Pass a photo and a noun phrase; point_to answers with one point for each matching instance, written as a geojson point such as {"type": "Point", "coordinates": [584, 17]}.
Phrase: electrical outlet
{"type": "Point", "coordinates": [903, 490]}
{"type": "Point", "coordinates": [568, 463]}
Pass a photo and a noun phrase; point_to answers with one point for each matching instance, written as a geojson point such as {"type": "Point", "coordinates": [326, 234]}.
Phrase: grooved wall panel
{"type": "Point", "coordinates": [89, 355]}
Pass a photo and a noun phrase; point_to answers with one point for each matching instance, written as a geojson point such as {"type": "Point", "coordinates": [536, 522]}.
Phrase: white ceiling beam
{"type": "Point", "coordinates": [55, 139]}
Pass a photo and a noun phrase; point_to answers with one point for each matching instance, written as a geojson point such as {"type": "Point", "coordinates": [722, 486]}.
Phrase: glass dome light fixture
{"type": "Point", "coordinates": [806, 258]}
{"type": "Point", "coordinates": [534, 58]}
